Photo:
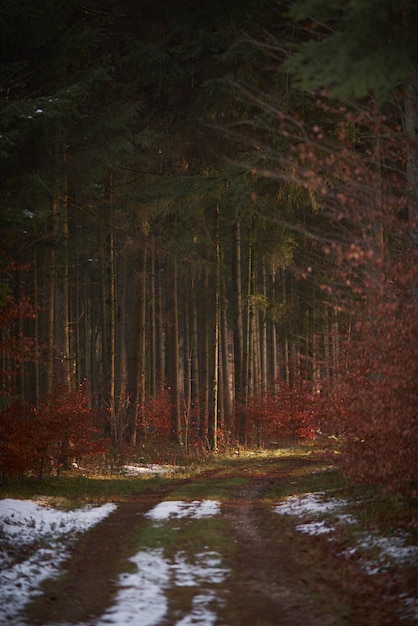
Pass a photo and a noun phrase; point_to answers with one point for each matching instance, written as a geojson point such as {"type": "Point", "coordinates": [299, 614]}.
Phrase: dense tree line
{"type": "Point", "coordinates": [179, 202]}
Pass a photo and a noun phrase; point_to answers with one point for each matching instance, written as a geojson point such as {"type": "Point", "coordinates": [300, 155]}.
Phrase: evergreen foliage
{"type": "Point", "coordinates": [356, 49]}
{"type": "Point", "coordinates": [173, 214]}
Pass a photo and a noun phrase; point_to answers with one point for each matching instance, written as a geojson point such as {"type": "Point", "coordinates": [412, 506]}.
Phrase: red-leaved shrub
{"type": "Point", "coordinates": [155, 416]}
{"type": "Point", "coordinates": [38, 439]}
{"type": "Point", "coordinates": [289, 415]}
{"type": "Point", "coordinates": [374, 400]}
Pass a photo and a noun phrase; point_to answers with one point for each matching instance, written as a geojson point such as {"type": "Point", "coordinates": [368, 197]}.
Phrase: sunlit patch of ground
{"type": "Point", "coordinates": [150, 468]}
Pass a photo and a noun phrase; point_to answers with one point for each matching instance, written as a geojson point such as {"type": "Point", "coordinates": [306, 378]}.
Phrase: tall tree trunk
{"type": "Point", "coordinates": [161, 335]}
{"type": "Point", "coordinates": [153, 327]}
{"type": "Point", "coordinates": [187, 366]}
{"type": "Point", "coordinates": [37, 371]}
{"type": "Point", "coordinates": [66, 287]}
{"type": "Point", "coordinates": [237, 312]}
{"type": "Point", "coordinates": [50, 371]}
{"type": "Point", "coordinates": [120, 349]}
{"type": "Point", "coordinates": [204, 364]}
{"type": "Point", "coordinates": [327, 338]}
{"type": "Point", "coordinates": [62, 309]}
{"type": "Point", "coordinates": [104, 311]}
{"type": "Point", "coordinates": [20, 370]}
{"type": "Point", "coordinates": [174, 373]}
{"type": "Point", "coordinates": [142, 345]}
{"type": "Point", "coordinates": [112, 312]}
{"type": "Point", "coordinates": [264, 374]}
{"type": "Point", "coordinates": [213, 415]}
{"type": "Point", "coordinates": [286, 348]}
{"type": "Point", "coordinates": [136, 348]}
{"type": "Point", "coordinates": [274, 348]}
{"type": "Point", "coordinates": [248, 331]}
{"type": "Point", "coordinates": [227, 371]}
{"type": "Point", "coordinates": [194, 345]}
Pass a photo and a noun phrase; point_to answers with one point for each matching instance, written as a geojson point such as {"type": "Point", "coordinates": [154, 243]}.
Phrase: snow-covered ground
{"type": "Point", "coordinates": [150, 468]}
{"type": "Point", "coordinates": [34, 541]}
{"type": "Point", "coordinates": [35, 538]}
{"type": "Point", "coordinates": [319, 515]}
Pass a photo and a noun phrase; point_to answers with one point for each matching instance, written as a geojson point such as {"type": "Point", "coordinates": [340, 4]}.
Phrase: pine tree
{"type": "Point", "coordinates": [357, 49]}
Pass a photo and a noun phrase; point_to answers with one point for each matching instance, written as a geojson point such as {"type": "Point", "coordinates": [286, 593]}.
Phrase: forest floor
{"type": "Point", "coordinates": [215, 550]}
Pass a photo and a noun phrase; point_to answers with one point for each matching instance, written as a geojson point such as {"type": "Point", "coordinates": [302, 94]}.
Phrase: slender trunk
{"type": "Point", "coordinates": [120, 349]}
{"type": "Point", "coordinates": [248, 332]}
{"type": "Point", "coordinates": [194, 370]}
{"type": "Point", "coordinates": [104, 313]}
{"type": "Point", "coordinates": [37, 373]}
{"type": "Point", "coordinates": [263, 338]}
{"type": "Point", "coordinates": [213, 416]}
{"type": "Point", "coordinates": [142, 345]}
{"type": "Point", "coordinates": [227, 370]}
{"type": "Point", "coordinates": [66, 286]}
{"type": "Point", "coordinates": [112, 307]}
{"type": "Point", "coordinates": [62, 301]}
{"type": "Point", "coordinates": [286, 356]}
{"type": "Point", "coordinates": [327, 338]}
{"type": "Point", "coordinates": [204, 366]}
{"type": "Point", "coordinates": [51, 301]}
{"type": "Point", "coordinates": [86, 334]}
{"type": "Point", "coordinates": [316, 367]}
{"type": "Point", "coordinates": [286, 359]}
{"type": "Point", "coordinates": [335, 345]}
{"type": "Point", "coordinates": [237, 312]}
{"type": "Point", "coordinates": [153, 327]}
{"type": "Point", "coordinates": [187, 359]}
{"type": "Point", "coordinates": [20, 370]}
{"type": "Point", "coordinates": [174, 374]}
{"type": "Point", "coordinates": [136, 349]}
{"type": "Point", "coordinates": [161, 337]}
{"type": "Point", "coordinates": [274, 343]}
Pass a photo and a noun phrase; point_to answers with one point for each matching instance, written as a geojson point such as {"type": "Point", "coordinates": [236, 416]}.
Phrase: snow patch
{"type": "Point", "coordinates": [313, 503]}
{"type": "Point", "coordinates": [314, 511]}
{"type": "Point", "coordinates": [151, 468]}
{"type": "Point", "coordinates": [314, 528]}
{"type": "Point", "coordinates": [179, 509]}
{"type": "Point", "coordinates": [31, 521]}
{"type": "Point", "coordinates": [34, 542]}
{"type": "Point", "coordinates": [393, 548]}
{"type": "Point", "coordinates": [141, 597]}
{"type": "Point", "coordinates": [142, 600]}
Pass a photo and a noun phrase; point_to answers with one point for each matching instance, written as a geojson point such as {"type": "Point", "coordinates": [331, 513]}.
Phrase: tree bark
{"type": "Point", "coordinates": [213, 414]}
{"type": "Point", "coordinates": [173, 357]}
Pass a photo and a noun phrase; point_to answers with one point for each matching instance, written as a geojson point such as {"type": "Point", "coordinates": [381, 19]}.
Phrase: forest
{"type": "Point", "coordinates": [209, 230]}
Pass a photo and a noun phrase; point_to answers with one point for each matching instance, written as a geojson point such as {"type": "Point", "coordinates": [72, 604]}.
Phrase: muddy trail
{"type": "Point", "coordinates": [276, 576]}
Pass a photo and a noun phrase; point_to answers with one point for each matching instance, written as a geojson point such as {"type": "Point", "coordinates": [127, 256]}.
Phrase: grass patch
{"type": "Point", "coordinates": [75, 490]}
{"type": "Point", "coordinates": [370, 508]}
{"type": "Point", "coordinates": [216, 488]}
{"type": "Point", "coordinates": [311, 479]}
{"type": "Point", "coordinates": [388, 512]}
{"type": "Point", "coordinates": [186, 535]}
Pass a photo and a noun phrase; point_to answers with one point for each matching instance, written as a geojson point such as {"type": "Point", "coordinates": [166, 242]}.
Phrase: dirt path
{"type": "Point", "coordinates": [93, 567]}
{"type": "Point", "coordinates": [286, 579]}
{"type": "Point", "coordinates": [279, 577]}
